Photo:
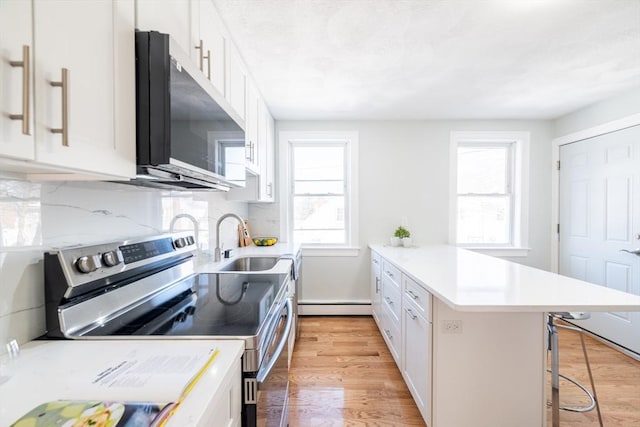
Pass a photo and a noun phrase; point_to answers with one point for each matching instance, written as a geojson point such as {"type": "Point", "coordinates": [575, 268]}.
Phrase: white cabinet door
{"type": "Point", "coordinates": [236, 82]}
{"type": "Point", "coordinates": [211, 32]}
{"type": "Point", "coordinates": [252, 130]}
{"type": "Point", "coordinates": [416, 351]}
{"type": "Point", "coordinates": [16, 95]}
{"type": "Point", "coordinates": [93, 41]}
{"type": "Point", "coordinates": [173, 17]}
{"type": "Point", "coordinates": [266, 149]}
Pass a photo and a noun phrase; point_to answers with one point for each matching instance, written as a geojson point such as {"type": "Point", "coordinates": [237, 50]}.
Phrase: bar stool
{"type": "Point", "coordinates": [552, 345]}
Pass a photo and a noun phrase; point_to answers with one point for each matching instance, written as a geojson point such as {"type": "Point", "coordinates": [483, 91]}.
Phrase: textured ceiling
{"type": "Point", "coordinates": [430, 59]}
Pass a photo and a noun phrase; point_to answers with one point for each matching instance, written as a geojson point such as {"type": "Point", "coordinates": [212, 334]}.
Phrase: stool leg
{"type": "Point", "coordinates": [555, 373]}
{"type": "Point", "coordinates": [593, 385]}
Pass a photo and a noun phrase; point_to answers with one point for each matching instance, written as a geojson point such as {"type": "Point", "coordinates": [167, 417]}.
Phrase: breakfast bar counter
{"type": "Point", "coordinates": [483, 333]}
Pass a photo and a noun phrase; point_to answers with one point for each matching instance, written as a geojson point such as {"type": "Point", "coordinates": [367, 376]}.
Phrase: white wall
{"type": "Point", "coordinates": [605, 111]}
{"type": "Point", "coordinates": [404, 171]}
{"type": "Point", "coordinates": [37, 217]}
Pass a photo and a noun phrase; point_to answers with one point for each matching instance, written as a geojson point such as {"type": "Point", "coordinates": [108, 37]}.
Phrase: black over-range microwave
{"type": "Point", "coordinates": [186, 139]}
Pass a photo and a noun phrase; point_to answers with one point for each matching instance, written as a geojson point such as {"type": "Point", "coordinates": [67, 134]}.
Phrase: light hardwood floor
{"type": "Point", "coordinates": [342, 374]}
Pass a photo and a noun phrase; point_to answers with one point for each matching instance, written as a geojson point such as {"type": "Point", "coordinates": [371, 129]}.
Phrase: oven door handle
{"type": "Point", "coordinates": [264, 372]}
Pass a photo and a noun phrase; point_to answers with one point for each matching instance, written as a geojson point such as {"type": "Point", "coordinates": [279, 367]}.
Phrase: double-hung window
{"type": "Point", "coordinates": [321, 188]}
{"type": "Point", "coordinates": [490, 190]}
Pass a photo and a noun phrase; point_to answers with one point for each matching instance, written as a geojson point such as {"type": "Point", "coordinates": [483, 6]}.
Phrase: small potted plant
{"type": "Point", "coordinates": [401, 236]}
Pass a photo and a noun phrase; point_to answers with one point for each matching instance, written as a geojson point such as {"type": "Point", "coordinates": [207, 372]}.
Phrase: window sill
{"type": "Point", "coordinates": [500, 252]}
{"type": "Point", "coordinates": [330, 251]}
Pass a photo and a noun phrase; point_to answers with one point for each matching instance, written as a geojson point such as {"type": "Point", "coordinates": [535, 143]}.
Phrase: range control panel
{"type": "Point", "coordinates": [111, 258]}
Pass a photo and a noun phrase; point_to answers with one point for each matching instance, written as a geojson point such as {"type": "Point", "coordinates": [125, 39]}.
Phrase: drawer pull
{"type": "Point", "coordinates": [375, 261]}
{"type": "Point", "coordinates": [411, 294]}
{"type": "Point", "coordinates": [390, 274]}
{"type": "Point", "coordinates": [389, 300]}
{"type": "Point", "coordinates": [410, 313]}
{"type": "Point", "coordinates": [388, 333]}
{"type": "Point", "coordinates": [26, 67]}
{"type": "Point", "coordinates": [64, 128]}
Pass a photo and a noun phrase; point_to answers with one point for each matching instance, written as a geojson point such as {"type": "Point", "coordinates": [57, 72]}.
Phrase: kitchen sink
{"type": "Point", "coordinates": [261, 263]}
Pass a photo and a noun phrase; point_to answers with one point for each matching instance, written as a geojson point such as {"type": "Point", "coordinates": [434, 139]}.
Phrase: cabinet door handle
{"type": "Point", "coordinates": [411, 294]}
{"type": "Point", "coordinates": [64, 129]}
{"type": "Point", "coordinates": [377, 285]}
{"type": "Point", "coordinates": [208, 58]}
{"type": "Point", "coordinates": [410, 313]}
{"type": "Point", "coordinates": [200, 47]}
{"type": "Point", "coordinates": [270, 189]}
{"type": "Point", "coordinates": [26, 70]}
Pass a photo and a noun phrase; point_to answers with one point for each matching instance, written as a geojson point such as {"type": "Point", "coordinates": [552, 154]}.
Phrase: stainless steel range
{"type": "Point", "coordinates": [148, 289]}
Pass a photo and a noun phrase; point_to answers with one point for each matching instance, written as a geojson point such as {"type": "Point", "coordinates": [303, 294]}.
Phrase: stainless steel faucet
{"type": "Point", "coordinates": [195, 225]}
{"type": "Point", "coordinates": [218, 251]}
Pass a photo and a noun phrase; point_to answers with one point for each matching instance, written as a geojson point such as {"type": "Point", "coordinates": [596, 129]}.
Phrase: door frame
{"type": "Point", "coordinates": [556, 143]}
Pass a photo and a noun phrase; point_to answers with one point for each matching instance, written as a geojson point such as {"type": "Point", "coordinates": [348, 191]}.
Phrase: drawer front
{"type": "Point", "coordinates": [376, 261]}
{"type": "Point", "coordinates": [391, 272]}
{"type": "Point", "coordinates": [418, 295]}
{"type": "Point", "coordinates": [391, 333]}
{"type": "Point", "coordinates": [391, 298]}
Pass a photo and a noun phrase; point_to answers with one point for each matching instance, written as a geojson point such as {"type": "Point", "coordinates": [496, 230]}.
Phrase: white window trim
{"type": "Point", "coordinates": [521, 188]}
{"type": "Point", "coordinates": [285, 138]}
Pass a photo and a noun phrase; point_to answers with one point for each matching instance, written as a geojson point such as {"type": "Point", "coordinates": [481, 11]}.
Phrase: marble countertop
{"type": "Point", "coordinates": [469, 281]}
{"type": "Point", "coordinates": [67, 370]}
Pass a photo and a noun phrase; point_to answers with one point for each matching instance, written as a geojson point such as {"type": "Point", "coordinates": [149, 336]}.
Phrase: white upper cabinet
{"type": "Point", "coordinates": [211, 43]}
{"type": "Point", "coordinates": [173, 17]}
{"type": "Point", "coordinates": [85, 85]}
{"type": "Point", "coordinates": [266, 154]}
{"type": "Point", "coordinates": [16, 92]}
{"type": "Point", "coordinates": [252, 131]}
{"type": "Point", "coordinates": [236, 82]}
{"type": "Point", "coordinates": [67, 88]}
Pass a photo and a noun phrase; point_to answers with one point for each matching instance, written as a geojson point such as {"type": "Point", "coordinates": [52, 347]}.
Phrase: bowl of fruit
{"type": "Point", "coordinates": [265, 241]}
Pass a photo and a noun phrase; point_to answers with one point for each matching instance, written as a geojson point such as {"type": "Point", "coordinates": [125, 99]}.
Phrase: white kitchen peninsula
{"type": "Point", "coordinates": [480, 323]}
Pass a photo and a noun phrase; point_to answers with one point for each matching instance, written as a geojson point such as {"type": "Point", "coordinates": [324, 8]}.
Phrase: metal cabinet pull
{"type": "Point", "coordinates": [411, 294]}
{"type": "Point", "coordinates": [200, 47]}
{"type": "Point", "coordinates": [208, 58]}
{"type": "Point", "coordinates": [375, 261]}
{"type": "Point", "coordinates": [389, 300]}
{"type": "Point", "coordinates": [270, 189]}
{"type": "Point", "coordinates": [26, 70]}
{"type": "Point", "coordinates": [64, 129]}
{"type": "Point", "coordinates": [388, 333]}
{"type": "Point", "coordinates": [377, 285]}
{"type": "Point", "coordinates": [410, 313]}
{"type": "Point", "coordinates": [390, 274]}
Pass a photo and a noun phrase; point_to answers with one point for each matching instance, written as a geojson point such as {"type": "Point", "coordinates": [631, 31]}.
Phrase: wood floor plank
{"type": "Point", "coordinates": [342, 374]}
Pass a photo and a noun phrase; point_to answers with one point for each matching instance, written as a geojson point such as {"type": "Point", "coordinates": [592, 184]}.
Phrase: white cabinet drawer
{"type": "Point", "coordinates": [418, 295]}
{"type": "Point", "coordinates": [392, 298]}
{"type": "Point", "coordinates": [390, 271]}
{"type": "Point", "coordinates": [391, 333]}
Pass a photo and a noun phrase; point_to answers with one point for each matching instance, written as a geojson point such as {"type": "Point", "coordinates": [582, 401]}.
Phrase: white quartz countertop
{"type": "Point", "coordinates": [48, 371]}
{"type": "Point", "coordinates": [469, 281]}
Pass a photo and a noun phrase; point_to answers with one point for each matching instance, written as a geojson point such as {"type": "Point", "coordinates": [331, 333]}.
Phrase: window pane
{"type": "Point", "coordinates": [484, 219]}
{"type": "Point", "coordinates": [482, 170]}
{"type": "Point", "coordinates": [319, 219]}
{"type": "Point", "coordinates": [319, 187]}
{"type": "Point", "coordinates": [318, 163]}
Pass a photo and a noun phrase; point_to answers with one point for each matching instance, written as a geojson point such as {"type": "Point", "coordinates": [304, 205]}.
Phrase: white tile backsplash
{"type": "Point", "coordinates": [35, 217]}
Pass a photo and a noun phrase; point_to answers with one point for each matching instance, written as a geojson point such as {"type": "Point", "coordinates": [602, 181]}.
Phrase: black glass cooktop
{"type": "Point", "coordinates": [213, 305]}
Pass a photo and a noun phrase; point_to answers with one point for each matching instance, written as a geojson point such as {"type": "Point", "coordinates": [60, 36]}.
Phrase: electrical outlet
{"type": "Point", "coordinates": [452, 326]}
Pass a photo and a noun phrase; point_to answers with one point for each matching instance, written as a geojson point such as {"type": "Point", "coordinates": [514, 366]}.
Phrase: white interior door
{"type": "Point", "coordinates": [599, 218]}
